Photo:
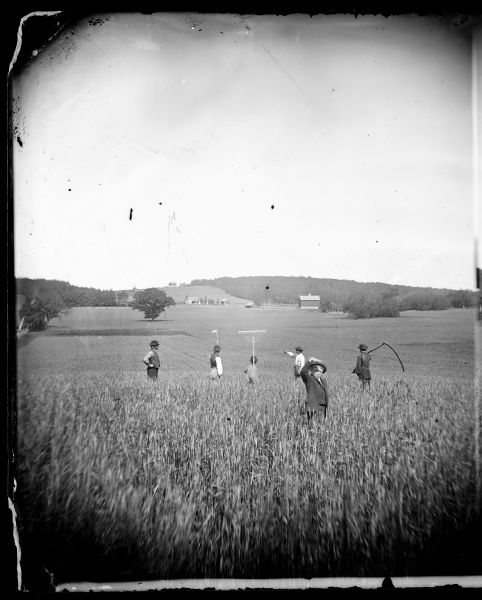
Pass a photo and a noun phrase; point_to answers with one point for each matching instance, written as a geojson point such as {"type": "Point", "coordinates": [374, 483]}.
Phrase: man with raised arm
{"type": "Point", "coordinates": [299, 360]}
{"type": "Point", "coordinates": [298, 365]}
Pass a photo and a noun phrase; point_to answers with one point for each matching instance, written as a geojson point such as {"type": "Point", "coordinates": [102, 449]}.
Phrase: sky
{"type": "Point", "coordinates": [171, 147]}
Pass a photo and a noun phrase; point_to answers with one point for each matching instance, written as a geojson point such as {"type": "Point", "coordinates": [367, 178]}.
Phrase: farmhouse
{"type": "Point", "coordinates": [309, 301]}
{"type": "Point", "coordinates": [191, 300]}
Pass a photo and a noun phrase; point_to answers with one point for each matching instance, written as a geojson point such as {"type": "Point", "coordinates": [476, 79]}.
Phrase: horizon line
{"type": "Point", "coordinates": [191, 284]}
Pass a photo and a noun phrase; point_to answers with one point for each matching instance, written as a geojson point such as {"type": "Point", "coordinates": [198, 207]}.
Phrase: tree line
{"type": "Point", "coordinates": [364, 306]}
{"type": "Point", "coordinates": [46, 299]}
{"type": "Point", "coordinates": [360, 300]}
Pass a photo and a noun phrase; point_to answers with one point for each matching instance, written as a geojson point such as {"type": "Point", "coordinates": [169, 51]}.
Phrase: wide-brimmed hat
{"type": "Point", "coordinates": [363, 347]}
{"type": "Point", "coordinates": [217, 348]}
{"type": "Point", "coordinates": [316, 362]}
{"type": "Point", "coordinates": [299, 348]}
{"type": "Point", "coordinates": [154, 343]}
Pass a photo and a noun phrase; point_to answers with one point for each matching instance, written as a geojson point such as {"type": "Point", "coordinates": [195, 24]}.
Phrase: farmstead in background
{"type": "Point", "coordinates": [309, 301]}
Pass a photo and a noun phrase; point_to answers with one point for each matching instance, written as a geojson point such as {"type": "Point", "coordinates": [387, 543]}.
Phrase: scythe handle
{"type": "Point", "coordinates": [385, 344]}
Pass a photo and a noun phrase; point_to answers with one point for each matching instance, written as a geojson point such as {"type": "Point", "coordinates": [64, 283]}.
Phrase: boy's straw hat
{"type": "Point", "coordinates": [316, 361]}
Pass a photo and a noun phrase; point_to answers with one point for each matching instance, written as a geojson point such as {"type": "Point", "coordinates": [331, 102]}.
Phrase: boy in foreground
{"type": "Point", "coordinates": [317, 395]}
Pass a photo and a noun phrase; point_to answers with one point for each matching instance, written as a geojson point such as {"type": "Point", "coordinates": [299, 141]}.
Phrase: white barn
{"type": "Point", "coordinates": [309, 301]}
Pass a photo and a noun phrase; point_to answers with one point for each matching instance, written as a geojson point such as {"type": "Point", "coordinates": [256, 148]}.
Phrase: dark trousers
{"type": "Point", "coordinates": [318, 414]}
{"type": "Point", "coordinates": [152, 372]}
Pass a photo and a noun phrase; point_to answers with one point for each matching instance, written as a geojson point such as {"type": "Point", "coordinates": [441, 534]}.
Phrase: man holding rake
{"type": "Point", "coordinates": [216, 363]}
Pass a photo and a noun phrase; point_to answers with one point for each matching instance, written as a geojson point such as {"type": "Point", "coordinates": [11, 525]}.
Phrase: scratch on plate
{"type": "Point", "coordinates": [284, 70]}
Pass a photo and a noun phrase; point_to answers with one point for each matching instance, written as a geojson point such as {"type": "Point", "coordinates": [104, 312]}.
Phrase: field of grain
{"type": "Point", "coordinates": [122, 478]}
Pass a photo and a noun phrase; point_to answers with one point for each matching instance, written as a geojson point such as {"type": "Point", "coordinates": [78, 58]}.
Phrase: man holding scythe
{"type": "Point", "coordinates": [362, 369]}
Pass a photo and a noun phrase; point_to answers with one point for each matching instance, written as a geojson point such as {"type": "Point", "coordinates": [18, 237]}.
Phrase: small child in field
{"type": "Point", "coordinates": [251, 371]}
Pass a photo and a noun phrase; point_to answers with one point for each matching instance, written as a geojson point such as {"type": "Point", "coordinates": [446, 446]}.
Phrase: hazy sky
{"type": "Point", "coordinates": [327, 146]}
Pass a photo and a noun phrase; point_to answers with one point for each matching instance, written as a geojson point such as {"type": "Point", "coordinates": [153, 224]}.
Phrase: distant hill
{"type": "Point", "coordinates": [335, 294]}
{"type": "Point", "coordinates": [213, 292]}
{"type": "Point", "coordinates": [278, 289]}
{"type": "Point", "coordinates": [203, 292]}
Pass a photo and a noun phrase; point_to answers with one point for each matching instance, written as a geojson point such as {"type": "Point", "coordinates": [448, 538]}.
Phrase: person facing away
{"type": "Point", "coordinates": [216, 363]}
{"type": "Point", "coordinates": [317, 395]}
{"type": "Point", "coordinates": [251, 371]}
{"type": "Point", "coordinates": [299, 360]}
{"type": "Point", "coordinates": [151, 359]}
{"type": "Point", "coordinates": [362, 369]}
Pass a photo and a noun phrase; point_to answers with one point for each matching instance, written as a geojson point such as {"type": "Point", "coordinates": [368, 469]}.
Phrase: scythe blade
{"type": "Point", "coordinates": [392, 349]}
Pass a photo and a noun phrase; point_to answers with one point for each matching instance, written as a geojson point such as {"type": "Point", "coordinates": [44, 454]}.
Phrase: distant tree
{"type": "Point", "coordinates": [38, 310]}
{"type": "Point", "coordinates": [326, 306]}
{"type": "Point", "coordinates": [122, 297]}
{"type": "Point", "coordinates": [462, 299]}
{"type": "Point", "coordinates": [152, 302]}
{"type": "Point", "coordinates": [370, 306]}
{"type": "Point", "coordinates": [425, 301]}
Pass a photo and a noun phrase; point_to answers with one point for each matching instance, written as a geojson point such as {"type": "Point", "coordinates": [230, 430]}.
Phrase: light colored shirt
{"type": "Point", "coordinates": [149, 356]}
{"type": "Point", "coordinates": [219, 365]}
{"type": "Point", "coordinates": [251, 372]}
{"type": "Point", "coordinates": [299, 361]}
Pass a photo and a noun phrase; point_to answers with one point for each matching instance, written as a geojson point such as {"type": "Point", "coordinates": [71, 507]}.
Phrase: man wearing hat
{"type": "Point", "coordinates": [362, 369]}
{"type": "Point", "coordinates": [298, 365]}
{"type": "Point", "coordinates": [316, 388]}
{"type": "Point", "coordinates": [151, 359]}
{"type": "Point", "coordinates": [216, 363]}
{"type": "Point", "coordinates": [299, 360]}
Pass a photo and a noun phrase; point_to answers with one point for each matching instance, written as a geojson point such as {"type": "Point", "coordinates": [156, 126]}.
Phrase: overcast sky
{"type": "Point", "coordinates": [327, 146]}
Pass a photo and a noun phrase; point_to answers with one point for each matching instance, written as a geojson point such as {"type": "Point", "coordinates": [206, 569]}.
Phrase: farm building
{"type": "Point", "coordinates": [191, 300]}
{"type": "Point", "coordinates": [309, 301]}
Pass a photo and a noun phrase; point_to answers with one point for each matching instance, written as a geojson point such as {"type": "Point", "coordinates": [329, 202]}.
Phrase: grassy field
{"type": "Point", "coordinates": [122, 478]}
